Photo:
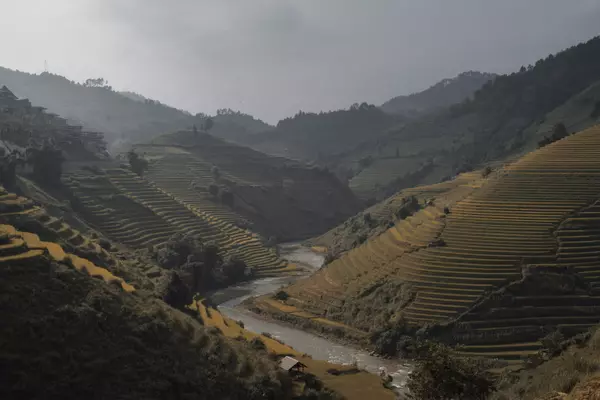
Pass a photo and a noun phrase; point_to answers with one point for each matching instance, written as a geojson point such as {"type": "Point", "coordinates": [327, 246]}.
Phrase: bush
{"type": "Point", "coordinates": [553, 341]}
{"type": "Point", "coordinates": [137, 164]}
{"type": "Point", "coordinates": [441, 376]}
{"type": "Point", "coordinates": [258, 344]}
{"type": "Point", "coordinates": [105, 244]}
{"type": "Point", "coordinates": [213, 190]}
{"type": "Point", "coordinates": [227, 198]}
{"type": "Point", "coordinates": [486, 171]}
{"type": "Point", "coordinates": [559, 132]}
{"type": "Point", "coordinates": [281, 295]}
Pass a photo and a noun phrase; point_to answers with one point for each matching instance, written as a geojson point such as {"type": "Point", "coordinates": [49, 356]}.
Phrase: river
{"type": "Point", "coordinates": [317, 347]}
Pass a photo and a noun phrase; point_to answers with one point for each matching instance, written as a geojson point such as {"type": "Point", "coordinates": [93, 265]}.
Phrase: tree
{"type": "Point", "coordinates": [208, 124]}
{"type": "Point", "coordinates": [213, 190]}
{"type": "Point", "coordinates": [440, 375]}
{"type": "Point", "coordinates": [234, 269]}
{"type": "Point", "coordinates": [8, 167]}
{"type": "Point", "coordinates": [214, 170]}
{"type": "Point", "coordinates": [227, 198]}
{"type": "Point", "coordinates": [559, 131]}
{"type": "Point", "coordinates": [138, 164]}
{"type": "Point", "coordinates": [96, 82]}
{"type": "Point", "coordinates": [46, 161]}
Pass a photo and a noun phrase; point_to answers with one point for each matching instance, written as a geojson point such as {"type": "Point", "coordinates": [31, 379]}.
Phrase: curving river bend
{"type": "Point", "coordinates": [317, 347]}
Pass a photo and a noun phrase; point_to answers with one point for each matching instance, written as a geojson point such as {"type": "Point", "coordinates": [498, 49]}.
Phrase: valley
{"type": "Point", "coordinates": [444, 244]}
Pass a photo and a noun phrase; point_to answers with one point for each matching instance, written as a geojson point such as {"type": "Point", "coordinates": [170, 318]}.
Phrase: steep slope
{"type": "Point", "coordinates": [491, 126]}
{"type": "Point", "coordinates": [277, 196]}
{"type": "Point", "coordinates": [47, 305]}
{"type": "Point", "coordinates": [442, 94]}
{"type": "Point", "coordinates": [537, 213]}
{"type": "Point", "coordinates": [133, 211]}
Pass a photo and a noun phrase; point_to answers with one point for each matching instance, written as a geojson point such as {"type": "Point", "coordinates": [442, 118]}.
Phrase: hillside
{"type": "Point", "coordinates": [443, 94]}
{"type": "Point", "coordinates": [121, 116]}
{"type": "Point", "coordinates": [316, 136]}
{"type": "Point", "coordinates": [506, 253]}
{"type": "Point", "coordinates": [48, 290]}
{"type": "Point", "coordinates": [277, 196]}
{"type": "Point", "coordinates": [502, 119]}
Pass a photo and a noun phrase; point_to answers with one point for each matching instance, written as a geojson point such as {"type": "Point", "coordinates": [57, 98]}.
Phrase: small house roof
{"type": "Point", "coordinates": [288, 363]}
{"type": "Point", "coordinates": [6, 93]}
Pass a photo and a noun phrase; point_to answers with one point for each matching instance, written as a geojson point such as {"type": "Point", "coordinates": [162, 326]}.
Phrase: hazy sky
{"type": "Point", "coordinates": [272, 58]}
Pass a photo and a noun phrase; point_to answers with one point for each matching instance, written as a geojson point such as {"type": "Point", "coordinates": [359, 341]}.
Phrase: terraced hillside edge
{"type": "Point", "coordinates": [279, 197]}
{"type": "Point", "coordinates": [47, 305]}
{"type": "Point", "coordinates": [536, 213]}
{"type": "Point", "coordinates": [132, 211]}
{"type": "Point", "coordinates": [83, 243]}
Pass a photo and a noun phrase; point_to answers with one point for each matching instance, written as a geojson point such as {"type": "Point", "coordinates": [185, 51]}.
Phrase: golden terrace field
{"type": "Point", "coordinates": [539, 211]}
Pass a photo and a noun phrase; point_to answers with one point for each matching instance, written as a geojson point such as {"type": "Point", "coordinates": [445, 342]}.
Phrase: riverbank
{"type": "Point", "coordinates": [346, 380]}
{"type": "Point", "coordinates": [330, 347]}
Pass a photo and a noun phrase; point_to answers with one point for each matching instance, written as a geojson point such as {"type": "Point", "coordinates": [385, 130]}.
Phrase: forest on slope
{"type": "Point", "coordinates": [320, 136]}
{"type": "Point", "coordinates": [507, 116]}
{"type": "Point", "coordinates": [443, 94]}
{"type": "Point", "coordinates": [121, 116]}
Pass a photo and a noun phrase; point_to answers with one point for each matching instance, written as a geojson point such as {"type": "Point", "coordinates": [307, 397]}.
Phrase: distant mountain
{"type": "Point", "coordinates": [443, 94]}
{"type": "Point", "coordinates": [134, 96]}
{"type": "Point", "coordinates": [316, 136]}
{"type": "Point", "coordinates": [121, 116]}
{"type": "Point", "coordinates": [506, 116]}
{"type": "Point", "coordinates": [236, 126]}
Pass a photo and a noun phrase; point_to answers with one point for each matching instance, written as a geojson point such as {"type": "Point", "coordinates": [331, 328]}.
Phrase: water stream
{"type": "Point", "coordinates": [317, 347]}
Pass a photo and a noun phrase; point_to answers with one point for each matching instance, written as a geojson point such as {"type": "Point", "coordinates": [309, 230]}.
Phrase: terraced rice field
{"type": "Point", "coordinates": [133, 211]}
{"type": "Point", "coordinates": [183, 175]}
{"type": "Point", "coordinates": [539, 210]}
{"type": "Point", "coordinates": [382, 172]}
{"type": "Point", "coordinates": [25, 247]}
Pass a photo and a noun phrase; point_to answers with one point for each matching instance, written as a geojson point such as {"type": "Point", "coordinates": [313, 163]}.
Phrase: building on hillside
{"type": "Point", "coordinates": [291, 365]}
{"type": "Point", "coordinates": [8, 100]}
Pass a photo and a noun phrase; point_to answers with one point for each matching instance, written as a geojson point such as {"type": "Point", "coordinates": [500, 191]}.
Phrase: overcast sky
{"type": "Point", "coordinates": [271, 58]}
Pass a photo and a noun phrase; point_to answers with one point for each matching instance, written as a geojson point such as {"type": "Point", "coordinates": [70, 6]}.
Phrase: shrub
{"type": "Point", "coordinates": [216, 173]}
{"type": "Point", "coordinates": [281, 295]}
{"type": "Point", "coordinates": [553, 341]}
{"type": "Point", "coordinates": [137, 164]}
{"type": "Point", "coordinates": [227, 198]}
{"type": "Point", "coordinates": [258, 344]}
{"type": "Point", "coordinates": [105, 244]}
{"type": "Point", "coordinates": [486, 171]}
{"type": "Point", "coordinates": [441, 376]}
{"type": "Point", "coordinates": [213, 190]}
{"type": "Point", "coordinates": [234, 269]}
